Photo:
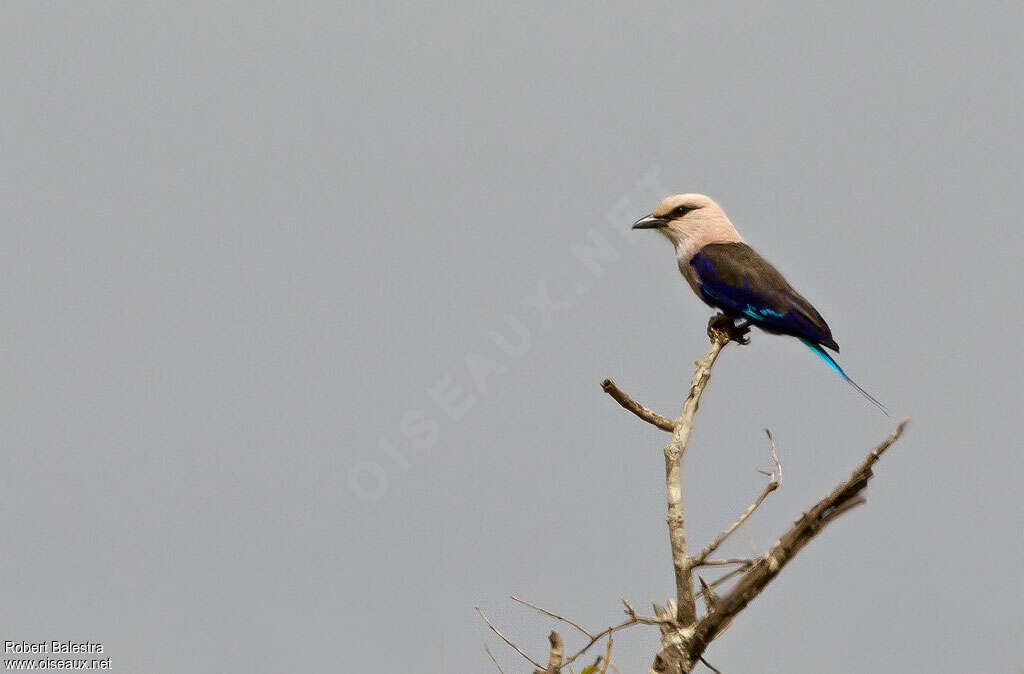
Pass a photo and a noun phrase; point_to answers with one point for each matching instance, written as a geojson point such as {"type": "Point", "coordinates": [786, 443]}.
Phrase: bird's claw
{"type": "Point", "coordinates": [722, 324]}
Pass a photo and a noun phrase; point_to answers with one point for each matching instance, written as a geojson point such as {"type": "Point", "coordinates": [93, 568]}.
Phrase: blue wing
{"type": "Point", "coordinates": [734, 278]}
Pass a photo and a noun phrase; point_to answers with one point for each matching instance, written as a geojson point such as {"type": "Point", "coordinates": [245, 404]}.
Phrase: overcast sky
{"type": "Point", "coordinates": [306, 308]}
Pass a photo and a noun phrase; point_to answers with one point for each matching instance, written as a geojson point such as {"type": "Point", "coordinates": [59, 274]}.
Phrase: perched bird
{"type": "Point", "coordinates": [730, 276]}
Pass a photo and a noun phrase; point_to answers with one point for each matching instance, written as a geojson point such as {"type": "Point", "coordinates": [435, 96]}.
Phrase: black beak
{"type": "Point", "coordinates": [649, 222]}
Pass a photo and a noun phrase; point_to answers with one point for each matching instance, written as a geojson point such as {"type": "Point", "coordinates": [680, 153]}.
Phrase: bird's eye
{"type": "Point", "coordinates": [680, 211]}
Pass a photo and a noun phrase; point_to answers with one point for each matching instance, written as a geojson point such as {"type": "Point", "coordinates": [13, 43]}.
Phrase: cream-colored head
{"type": "Point", "coordinates": [690, 222]}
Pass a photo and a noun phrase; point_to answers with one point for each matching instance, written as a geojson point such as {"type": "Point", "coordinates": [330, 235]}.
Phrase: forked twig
{"type": "Point", "coordinates": [776, 480]}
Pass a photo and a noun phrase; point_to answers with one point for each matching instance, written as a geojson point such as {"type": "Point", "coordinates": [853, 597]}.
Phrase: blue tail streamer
{"type": "Point", "coordinates": [816, 348]}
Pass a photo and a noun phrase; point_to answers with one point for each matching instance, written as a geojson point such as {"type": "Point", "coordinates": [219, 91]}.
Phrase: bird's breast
{"type": "Point", "coordinates": [690, 274]}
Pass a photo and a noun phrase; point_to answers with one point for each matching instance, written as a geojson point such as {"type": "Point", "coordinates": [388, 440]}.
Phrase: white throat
{"type": "Point", "coordinates": [686, 246]}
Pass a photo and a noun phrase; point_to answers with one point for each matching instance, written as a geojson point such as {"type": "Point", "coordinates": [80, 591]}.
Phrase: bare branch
{"type": "Point", "coordinates": [507, 641]}
{"type": "Point", "coordinates": [776, 480]}
{"type": "Point", "coordinates": [553, 615]}
{"type": "Point", "coordinates": [724, 562]}
{"type": "Point", "coordinates": [684, 636]}
{"type": "Point", "coordinates": [686, 611]}
{"type": "Point", "coordinates": [597, 637]}
{"type": "Point", "coordinates": [650, 416]}
{"type": "Point", "coordinates": [500, 670]}
{"type": "Point", "coordinates": [633, 620]}
{"type": "Point", "coordinates": [757, 577]}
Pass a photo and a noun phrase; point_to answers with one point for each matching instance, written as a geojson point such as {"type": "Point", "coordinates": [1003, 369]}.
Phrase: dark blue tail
{"type": "Point", "coordinates": [821, 353]}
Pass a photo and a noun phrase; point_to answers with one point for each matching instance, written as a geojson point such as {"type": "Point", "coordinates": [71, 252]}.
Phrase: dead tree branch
{"type": "Point", "coordinates": [592, 637]}
{"type": "Point", "coordinates": [721, 331]}
{"type": "Point", "coordinates": [683, 644]}
{"type": "Point", "coordinates": [651, 417]}
{"type": "Point", "coordinates": [634, 619]}
{"type": "Point", "coordinates": [845, 496]}
{"type": "Point", "coordinates": [687, 610]}
{"type": "Point", "coordinates": [685, 635]}
{"type": "Point", "coordinates": [743, 561]}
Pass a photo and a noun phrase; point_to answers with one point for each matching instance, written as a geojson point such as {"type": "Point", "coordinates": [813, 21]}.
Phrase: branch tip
{"type": "Point", "coordinates": [650, 416]}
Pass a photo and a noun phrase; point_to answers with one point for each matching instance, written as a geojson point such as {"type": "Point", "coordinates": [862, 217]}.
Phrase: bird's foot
{"type": "Point", "coordinates": [722, 324]}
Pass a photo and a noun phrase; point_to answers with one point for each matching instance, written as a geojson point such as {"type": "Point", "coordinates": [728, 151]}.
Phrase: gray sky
{"type": "Point", "coordinates": [253, 410]}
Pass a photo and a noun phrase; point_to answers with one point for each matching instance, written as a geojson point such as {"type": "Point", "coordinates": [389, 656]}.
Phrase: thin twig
{"type": "Point", "coordinates": [650, 416]}
{"type": "Point", "coordinates": [502, 671]}
{"type": "Point", "coordinates": [777, 476]}
{"type": "Point", "coordinates": [507, 641]}
{"type": "Point", "coordinates": [710, 666]}
{"type": "Point", "coordinates": [776, 480]}
{"type": "Point", "coordinates": [634, 619]}
{"type": "Point", "coordinates": [553, 615]}
{"type": "Point", "coordinates": [598, 637]}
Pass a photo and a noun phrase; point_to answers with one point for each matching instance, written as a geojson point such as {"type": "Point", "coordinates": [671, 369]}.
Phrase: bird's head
{"type": "Point", "coordinates": [690, 221]}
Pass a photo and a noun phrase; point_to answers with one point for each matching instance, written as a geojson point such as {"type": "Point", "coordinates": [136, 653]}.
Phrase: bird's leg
{"type": "Point", "coordinates": [736, 332]}
{"type": "Point", "coordinates": [740, 333]}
